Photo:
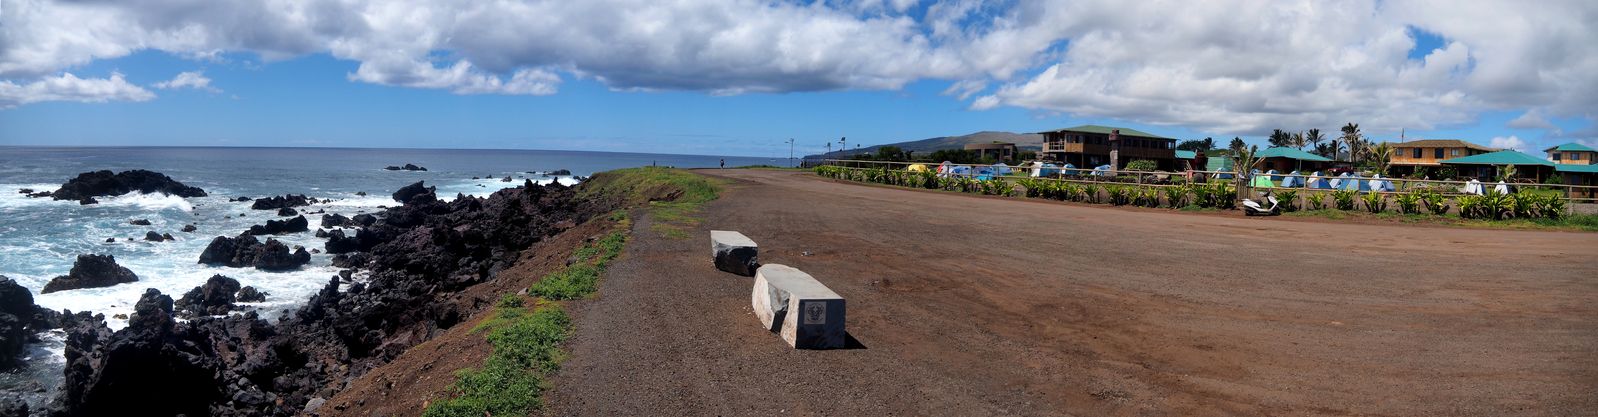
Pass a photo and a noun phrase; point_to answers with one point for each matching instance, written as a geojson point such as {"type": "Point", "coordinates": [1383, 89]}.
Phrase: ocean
{"type": "Point", "coordinates": [40, 238]}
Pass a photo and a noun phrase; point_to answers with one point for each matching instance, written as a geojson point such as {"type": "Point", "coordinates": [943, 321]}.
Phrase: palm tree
{"type": "Point", "coordinates": [1243, 161]}
{"type": "Point", "coordinates": [1351, 137]}
{"type": "Point", "coordinates": [1382, 156]}
{"type": "Point", "coordinates": [1314, 137]}
{"type": "Point", "coordinates": [1298, 140]}
{"type": "Point", "coordinates": [1280, 137]}
{"type": "Point", "coordinates": [1209, 144]}
{"type": "Point", "coordinates": [1237, 143]}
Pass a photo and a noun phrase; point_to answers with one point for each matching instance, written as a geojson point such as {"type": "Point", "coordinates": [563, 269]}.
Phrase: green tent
{"type": "Point", "coordinates": [1263, 180]}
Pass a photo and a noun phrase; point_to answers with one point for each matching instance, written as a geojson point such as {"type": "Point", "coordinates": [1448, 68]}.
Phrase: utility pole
{"type": "Point", "coordinates": [843, 144]}
{"type": "Point", "coordinates": [790, 153]}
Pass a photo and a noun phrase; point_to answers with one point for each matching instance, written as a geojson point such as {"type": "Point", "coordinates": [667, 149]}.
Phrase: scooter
{"type": "Point", "coordinates": [1254, 208]}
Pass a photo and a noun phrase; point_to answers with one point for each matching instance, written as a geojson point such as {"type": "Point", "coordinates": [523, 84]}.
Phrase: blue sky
{"type": "Point", "coordinates": [896, 71]}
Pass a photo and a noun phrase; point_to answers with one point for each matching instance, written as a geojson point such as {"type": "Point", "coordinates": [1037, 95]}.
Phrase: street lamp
{"type": "Point", "coordinates": [790, 153]}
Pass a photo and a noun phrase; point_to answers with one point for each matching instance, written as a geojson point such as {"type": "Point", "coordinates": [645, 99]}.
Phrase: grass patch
{"type": "Point", "coordinates": [672, 196]}
{"type": "Point", "coordinates": [581, 278]}
{"type": "Point", "coordinates": [526, 347]}
{"type": "Point", "coordinates": [1574, 222]}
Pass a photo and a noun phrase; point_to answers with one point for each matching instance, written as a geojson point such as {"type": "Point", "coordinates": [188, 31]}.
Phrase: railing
{"type": "Point", "coordinates": [1571, 193]}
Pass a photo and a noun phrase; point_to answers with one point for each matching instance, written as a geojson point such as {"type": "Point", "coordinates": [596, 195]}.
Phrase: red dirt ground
{"type": "Point", "coordinates": [988, 306]}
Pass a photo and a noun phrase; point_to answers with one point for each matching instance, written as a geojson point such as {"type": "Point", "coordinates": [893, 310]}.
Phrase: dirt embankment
{"type": "Point", "coordinates": [424, 373]}
{"type": "Point", "coordinates": [986, 306]}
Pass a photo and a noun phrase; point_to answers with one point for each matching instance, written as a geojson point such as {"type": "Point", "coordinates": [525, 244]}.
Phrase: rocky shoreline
{"type": "Point", "coordinates": [417, 256]}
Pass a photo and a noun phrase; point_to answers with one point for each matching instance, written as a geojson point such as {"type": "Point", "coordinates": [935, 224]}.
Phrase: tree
{"type": "Point", "coordinates": [1142, 165]}
{"type": "Point", "coordinates": [1280, 138]}
{"type": "Point", "coordinates": [891, 153]}
{"type": "Point", "coordinates": [1314, 137]}
{"type": "Point", "coordinates": [1298, 140]}
{"type": "Point", "coordinates": [1381, 157]}
{"type": "Point", "coordinates": [1196, 145]}
{"type": "Point", "coordinates": [1237, 143]}
{"type": "Point", "coordinates": [1354, 141]}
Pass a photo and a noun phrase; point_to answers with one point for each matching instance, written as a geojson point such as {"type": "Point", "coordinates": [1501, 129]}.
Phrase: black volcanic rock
{"type": "Point", "coordinates": [409, 192]}
{"type": "Point", "coordinates": [285, 212]}
{"type": "Point", "coordinates": [275, 256]}
{"type": "Point", "coordinates": [103, 183]}
{"type": "Point", "coordinates": [559, 172]}
{"type": "Point", "coordinates": [246, 251]}
{"type": "Point", "coordinates": [189, 228]}
{"type": "Point", "coordinates": [140, 222]}
{"type": "Point", "coordinates": [338, 243]}
{"type": "Point", "coordinates": [277, 227]}
{"type": "Point", "coordinates": [421, 256]}
{"type": "Point", "coordinates": [152, 236]}
{"type": "Point", "coordinates": [352, 260]}
{"type": "Point", "coordinates": [91, 271]}
{"type": "Point", "coordinates": [407, 167]}
{"type": "Point", "coordinates": [364, 220]}
{"type": "Point", "coordinates": [334, 220]}
{"type": "Point", "coordinates": [16, 312]}
{"type": "Point", "coordinates": [279, 202]}
{"type": "Point", "coordinates": [216, 297]}
{"type": "Point", "coordinates": [251, 295]}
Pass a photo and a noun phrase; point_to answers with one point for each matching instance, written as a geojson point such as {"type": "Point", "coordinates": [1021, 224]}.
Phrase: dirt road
{"type": "Point", "coordinates": [984, 306]}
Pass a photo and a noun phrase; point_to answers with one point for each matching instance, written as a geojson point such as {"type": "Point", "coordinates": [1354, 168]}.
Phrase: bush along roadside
{"type": "Point", "coordinates": [1541, 209]}
{"type": "Point", "coordinates": [526, 341]}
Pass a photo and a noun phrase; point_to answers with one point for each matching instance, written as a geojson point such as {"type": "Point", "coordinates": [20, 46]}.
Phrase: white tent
{"type": "Point", "coordinates": [1502, 188]}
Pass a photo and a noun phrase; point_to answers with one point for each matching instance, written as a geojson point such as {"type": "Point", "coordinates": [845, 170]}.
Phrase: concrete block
{"type": "Point", "coordinates": [733, 252]}
{"type": "Point", "coordinates": [793, 304]}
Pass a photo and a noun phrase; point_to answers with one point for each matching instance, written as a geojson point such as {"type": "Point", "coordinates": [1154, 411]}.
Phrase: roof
{"type": "Point", "coordinates": [1105, 130]}
{"type": "Point", "coordinates": [1218, 164]}
{"type": "Point", "coordinates": [1291, 153]}
{"type": "Point", "coordinates": [1499, 158]}
{"type": "Point", "coordinates": [1586, 169]}
{"type": "Point", "coordinates": [1439, 143]}
{"type": "Point", "coordinates": [1571, 147]}
{"type": "Point", "coordinates": [1181, 154]}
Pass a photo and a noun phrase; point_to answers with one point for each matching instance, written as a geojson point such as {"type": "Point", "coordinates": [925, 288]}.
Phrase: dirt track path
{"type": "Point", "coordinates": [985, 306]}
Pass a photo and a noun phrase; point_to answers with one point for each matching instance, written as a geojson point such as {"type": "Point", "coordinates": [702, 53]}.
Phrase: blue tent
{"type": "Point", "coordinates": [1001, 169]}
{"type": "Point", "coordinates": [1102, 170]}
{"type": "Point", "coordinates": [1317, 183]}
{"type": "Point", "coordinates": [1351, 182]}
{"type": "Point", "coordinates": [983, 172]}
{"type": "Point", "coordinates": [1376, 183]}
{"type": "Point", "coordinates": [1275, 176]}
{"type": "Point", "coordinates": [1293, 180]}
{"type": "Point", "coordinates": [1041, 169]}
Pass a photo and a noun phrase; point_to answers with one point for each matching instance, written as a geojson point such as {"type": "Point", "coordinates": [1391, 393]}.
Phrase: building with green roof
{"type": "Point", "coordinates": [1284, 160]}
{"type": "Point", "coordinates": [1089, 146]}
{"type": "Point", "coordinates": [1485, 166]}
{"type": "Point", "coordinates": [1572, 153]}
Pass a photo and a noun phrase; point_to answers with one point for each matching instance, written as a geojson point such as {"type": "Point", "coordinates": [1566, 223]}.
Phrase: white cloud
{"type": "Point", "coordinates": [1224, 66]}
{"type": "Point", "coordinates": [1511, 142]}
{"type": "Point", "coordinates": [1532, 119]}
{"type": "Point", "coordinates": [188, 79]}
{"type": "Point", "coordinates": [68, 87]}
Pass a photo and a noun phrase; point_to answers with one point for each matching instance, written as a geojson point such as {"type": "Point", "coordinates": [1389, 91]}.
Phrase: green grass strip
{"type": "Point", "coordinates": [526, 347]}
{"type": "Point", "coordinates": [581, 278]}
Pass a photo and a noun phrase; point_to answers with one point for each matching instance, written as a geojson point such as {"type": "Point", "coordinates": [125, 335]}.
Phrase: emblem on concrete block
{"type": "Point", "coordinates": [815, 313]}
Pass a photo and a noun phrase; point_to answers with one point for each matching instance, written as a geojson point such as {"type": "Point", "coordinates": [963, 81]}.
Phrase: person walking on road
{"type": "Point", "coordinates": [723, 163]}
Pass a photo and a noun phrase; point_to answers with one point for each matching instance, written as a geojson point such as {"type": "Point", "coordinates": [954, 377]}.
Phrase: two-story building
{"type": "Point", "coordinates": [1576, 164]}
{"type": "Point", "coordinates": [1408, 157]}
{"type": "Point", "coordinates": [1090, 146]}
{"type": "Point", "coordinates": [1572, 153]}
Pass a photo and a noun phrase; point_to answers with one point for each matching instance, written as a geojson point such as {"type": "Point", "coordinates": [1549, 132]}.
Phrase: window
{"type": "Point", "coordinates": [1556, 155]}
{"type": "Point", "coordinates": [1415, 153]}
{"type": "Point", "coordinates": [1454, 151]}
{"type": "Point", "coordinates": [1438, 153]}
{"type": "Point", "coordinates": [1575, 156]}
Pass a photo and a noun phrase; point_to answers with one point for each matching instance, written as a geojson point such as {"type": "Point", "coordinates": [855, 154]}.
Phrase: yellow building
{"type": "Point", "coordinates": [1408, 157]}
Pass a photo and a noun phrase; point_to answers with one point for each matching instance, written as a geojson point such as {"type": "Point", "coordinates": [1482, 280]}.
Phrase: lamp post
{"type": "Point", "coordinates": [790, 153]}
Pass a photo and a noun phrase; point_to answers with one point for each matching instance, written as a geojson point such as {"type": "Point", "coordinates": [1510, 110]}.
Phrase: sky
{"type": "Point", "coordinates": [735, 77]}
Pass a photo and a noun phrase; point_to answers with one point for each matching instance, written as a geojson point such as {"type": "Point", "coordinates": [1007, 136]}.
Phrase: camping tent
{"type": "Point", "coordinates": [1001, 169]}
{"type": "Point", "coordinates": [1316, 182]}
{"type": "Point", "coordinates": [1103, 171]}
{"type": "Point", "coordinates": [1378, 184]}
{"type": "Point", "coordinates": [1262, 181]}
{"type": "Point", "coordinates": [918, 168]}
{"type": "Point", "coordinates": [1293, 180]}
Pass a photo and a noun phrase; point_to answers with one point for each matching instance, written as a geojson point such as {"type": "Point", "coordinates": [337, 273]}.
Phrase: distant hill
{"type": "Point", "coordinates": [1024, 141]}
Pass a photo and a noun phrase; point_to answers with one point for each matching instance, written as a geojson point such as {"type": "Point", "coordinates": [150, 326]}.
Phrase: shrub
{"type": "Point", "coordinates": [1408, 203]}
{"type": "Point", "coordinates": [1119, 195]}
{"type": "Point", "coordinates": [1289, 200]}
{"type": "Point", "coordinates": [1142, 165]}
{"type": "Point", "coordinates": [1315, 201]}
{"type": "Point", "coordinates": [1552, 207]}
{"type": "Point", "coordinates": [1492, 206]}
{"type": "Point", "coordinates": [1375, 202]}
{"type": "Point", "coordinates": [1525, 205]}
{"type": "Point", "coordinates": [1344, 199]}
{"type": "Point", "coordinates": [1435, 202]}
{"type": "Point", "coordinates": [1176, 196]}
{"type": "Point", "coordinates": [1092, 192]}
{"type": "Point", "coordinates": [1147, 197]}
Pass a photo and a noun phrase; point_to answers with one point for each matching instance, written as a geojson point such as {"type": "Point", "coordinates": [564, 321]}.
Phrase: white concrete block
{"type": "Point", "coordinates": [793, 304]}
{"type": "Point", "coordinates": [733, 252]}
